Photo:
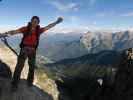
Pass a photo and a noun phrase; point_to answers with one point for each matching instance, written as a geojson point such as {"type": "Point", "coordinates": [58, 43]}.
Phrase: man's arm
{"type": "Point", "coordinates": [13, 32]}
{"type": "Point", "coordinates": [9, 33]}
{"type": "Point", "coordinates": [18, 31]}
{"type": "Point", "coordinates": [59, 20]}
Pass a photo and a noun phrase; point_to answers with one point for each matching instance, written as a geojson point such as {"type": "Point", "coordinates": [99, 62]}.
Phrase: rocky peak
{"type": "Point", "coordinates": [44, 88]}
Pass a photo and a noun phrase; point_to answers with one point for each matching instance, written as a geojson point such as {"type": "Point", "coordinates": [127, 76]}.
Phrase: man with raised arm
{"type": "Point", "coordinates": [28, 45]}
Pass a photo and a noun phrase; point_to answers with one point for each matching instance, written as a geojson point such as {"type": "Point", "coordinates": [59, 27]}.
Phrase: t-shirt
{"type": "Point", "coordinates": [30, 40]}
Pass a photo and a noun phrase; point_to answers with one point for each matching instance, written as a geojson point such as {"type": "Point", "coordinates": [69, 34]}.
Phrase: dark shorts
{"type": "Point", "coordinates": [28, 52]}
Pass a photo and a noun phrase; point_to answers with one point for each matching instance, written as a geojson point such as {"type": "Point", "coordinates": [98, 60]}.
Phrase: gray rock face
{"type": "Point", "coordinates": [5, 70]}
{"type": "Point", "coordinates": [7, 66]}
{"type": "Point", "coordinates": [23, 92]}
{"type": "Point", "coordinates": [10, 59]}
{"type": "Point", "coordinates": [124, 77]}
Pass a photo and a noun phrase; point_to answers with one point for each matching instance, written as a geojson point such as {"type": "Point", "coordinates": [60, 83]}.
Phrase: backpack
{"type": "Point", "coordinates": [29, 33]}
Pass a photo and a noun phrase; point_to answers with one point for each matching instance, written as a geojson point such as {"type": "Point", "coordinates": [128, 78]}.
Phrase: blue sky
{"type": "Point", "coordinates": [78, 14]}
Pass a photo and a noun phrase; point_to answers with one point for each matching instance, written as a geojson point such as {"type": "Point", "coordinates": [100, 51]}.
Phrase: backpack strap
{"type": "Point", "coordinates": [37, 35]}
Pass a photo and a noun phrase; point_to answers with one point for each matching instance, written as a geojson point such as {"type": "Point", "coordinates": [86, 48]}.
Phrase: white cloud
{"type": "Point", "coordinates": [64, 6]}
{"type": "Point", "coordinates": [129, 14]}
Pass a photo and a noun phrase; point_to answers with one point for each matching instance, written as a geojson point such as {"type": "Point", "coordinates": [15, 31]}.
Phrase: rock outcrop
{"type": "Point", "coordinates": [5, 70]}
{"type": "Point", "coordinates": [124, 77]}
{"type": "Point", "coordinates": [23, 92]}
{"type": "Point", "coordinates": [10, 59]}
{"type": "Point", "coordinates": [41, 83]}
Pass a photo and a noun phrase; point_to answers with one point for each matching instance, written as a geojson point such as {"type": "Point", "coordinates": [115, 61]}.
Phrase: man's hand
{"type": "Point", "coordinates": [3, 35]}
{"type": "Point", "coordinates": [59, 20]}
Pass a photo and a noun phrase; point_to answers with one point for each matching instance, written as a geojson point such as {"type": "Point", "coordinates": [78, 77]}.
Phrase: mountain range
{"type": "Point", "coordinates": [64, 46]}
{"type": "Point", "coordinates": [59, 46]}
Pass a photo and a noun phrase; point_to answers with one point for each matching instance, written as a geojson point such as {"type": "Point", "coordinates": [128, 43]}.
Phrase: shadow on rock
{"type": "Point", "coordinates": [5, 70]}
{"type": "Point", "coordinates": [23, 91]}
{"type": "Point", "coordinates": [91, 89]}
{"type": "Point", "coordinates": [124, 77]}
{"type": "Point", "coordinates": [77, 88]}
